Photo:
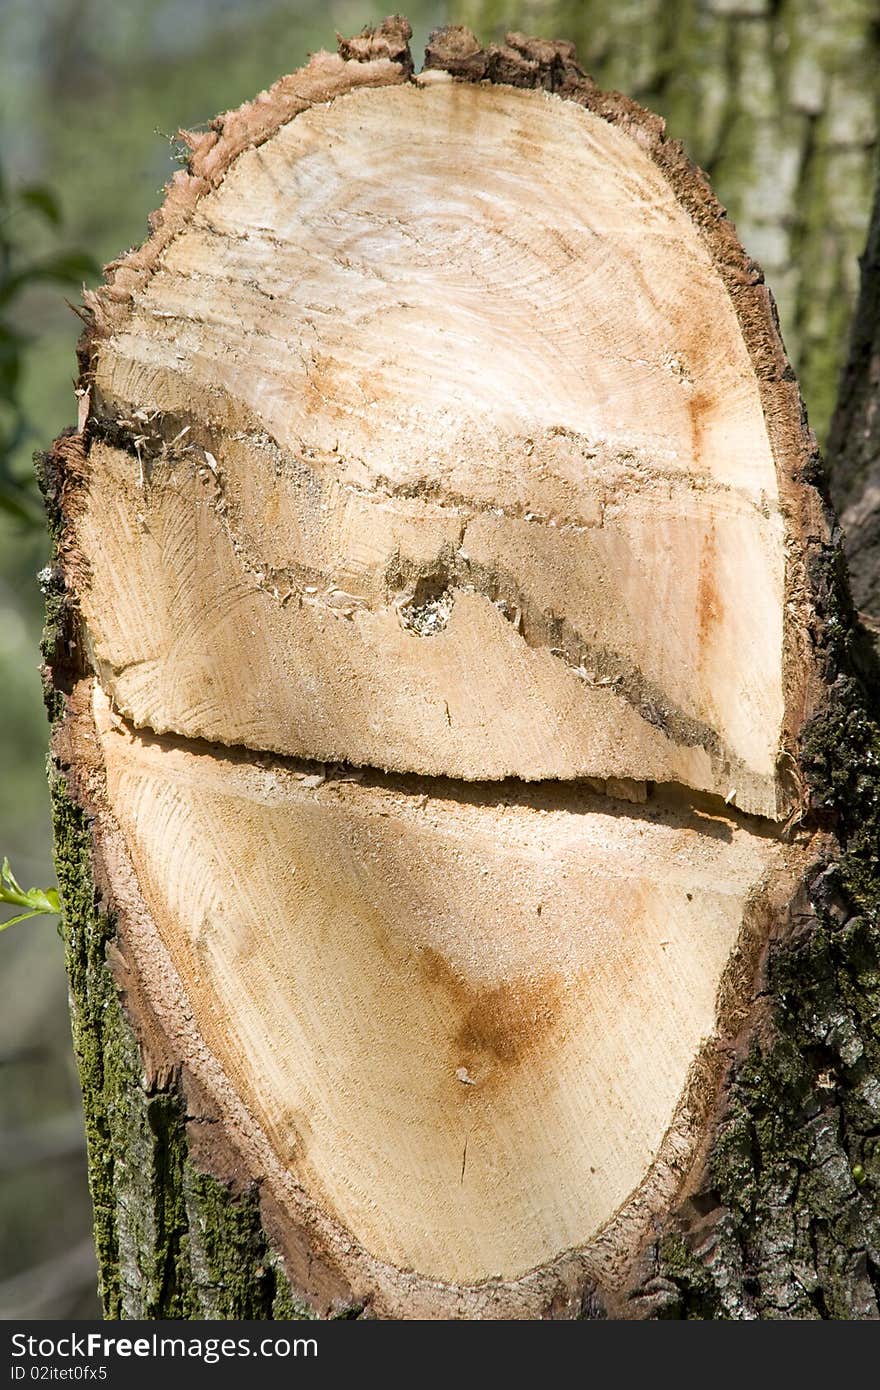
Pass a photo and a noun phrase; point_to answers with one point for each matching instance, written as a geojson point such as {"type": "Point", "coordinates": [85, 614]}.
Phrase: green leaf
{"type": "Point", "coordinates": [36, 901]}
{"type": "Point", "coordinates": [22, 917]}
{"type": "Point", "coordinates": [8, 879]}
{"type": "Point", "coordinates": [42, 200]}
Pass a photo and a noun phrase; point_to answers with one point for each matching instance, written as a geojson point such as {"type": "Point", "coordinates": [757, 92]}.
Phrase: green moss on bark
{"type": "Point", "coordinates": [172, 1241]}
{"type": "Point", "coordinates": [93, 1009]}
{"type": "Point", "coordinates": [685, 1282]}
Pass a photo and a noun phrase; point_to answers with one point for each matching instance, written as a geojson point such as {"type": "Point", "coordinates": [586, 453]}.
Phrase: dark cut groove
{"type": "Point", "coordinates": [671, 801]}
{"type": "Point", "coordinates": [547, 631]}
{"type": "Point", "coordinates": [449, 570]}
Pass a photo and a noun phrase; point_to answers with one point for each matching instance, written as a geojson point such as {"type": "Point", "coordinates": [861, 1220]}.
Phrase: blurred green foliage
{"type": "Point", "coordinates": [20, 269]}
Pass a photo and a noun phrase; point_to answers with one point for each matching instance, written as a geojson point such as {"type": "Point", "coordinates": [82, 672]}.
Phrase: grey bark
{"type": "Point", "coordinates": [854, 441]}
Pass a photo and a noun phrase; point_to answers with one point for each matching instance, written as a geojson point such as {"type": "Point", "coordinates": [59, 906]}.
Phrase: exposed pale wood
{"type": "Point", "coordinates": [778, 102]}
{"type": "Point", "coordinates": [483, 409]}
{"type": "Point", "coordinates": [465, 1026]}
{"type": "Point", "coordinates": [441, 542]}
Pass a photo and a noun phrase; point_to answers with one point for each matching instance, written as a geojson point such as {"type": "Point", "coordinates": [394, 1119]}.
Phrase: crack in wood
{"type": "Point", "coordinates": [711, 814]}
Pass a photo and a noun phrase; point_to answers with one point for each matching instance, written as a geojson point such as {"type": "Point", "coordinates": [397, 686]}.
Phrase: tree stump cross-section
{"type": "Point", "coordinates": [441, 627]}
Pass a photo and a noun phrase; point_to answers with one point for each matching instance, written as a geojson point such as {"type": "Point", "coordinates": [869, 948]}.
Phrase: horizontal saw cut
{"type": "Point", "coordinates": [440, 638]}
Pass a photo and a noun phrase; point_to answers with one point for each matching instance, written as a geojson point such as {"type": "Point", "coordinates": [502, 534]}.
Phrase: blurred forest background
{"type": "Point", "coordinates": [777, 99]}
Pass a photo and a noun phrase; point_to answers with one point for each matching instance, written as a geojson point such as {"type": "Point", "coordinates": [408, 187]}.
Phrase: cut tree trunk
{"type": "Point", "coordinates": [467, 789]}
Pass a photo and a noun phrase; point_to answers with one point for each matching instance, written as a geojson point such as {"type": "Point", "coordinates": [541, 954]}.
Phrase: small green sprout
{"type": "Point", "coordinates": [36, 900]}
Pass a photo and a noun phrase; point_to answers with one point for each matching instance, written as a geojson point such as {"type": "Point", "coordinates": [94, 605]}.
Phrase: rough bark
{"type": "Point", "coordinates": [778, 102]}
{"type": "Point", "coordinates": [783, 1220]}
{"type": "Point", "coordinates": [854, 442]}
{"type": "Point", "coordinates": [774, 1213]}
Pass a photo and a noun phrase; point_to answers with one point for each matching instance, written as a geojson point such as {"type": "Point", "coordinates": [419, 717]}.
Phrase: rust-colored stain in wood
{"type": "Point", "coordinates": [499, 1024]}
{"type": "Point", "coordinates": [506, 1022]}
{"type": "Point", "coordinates": [710, 606]}
{"type": "Point", "coordinates": [698, 404]}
